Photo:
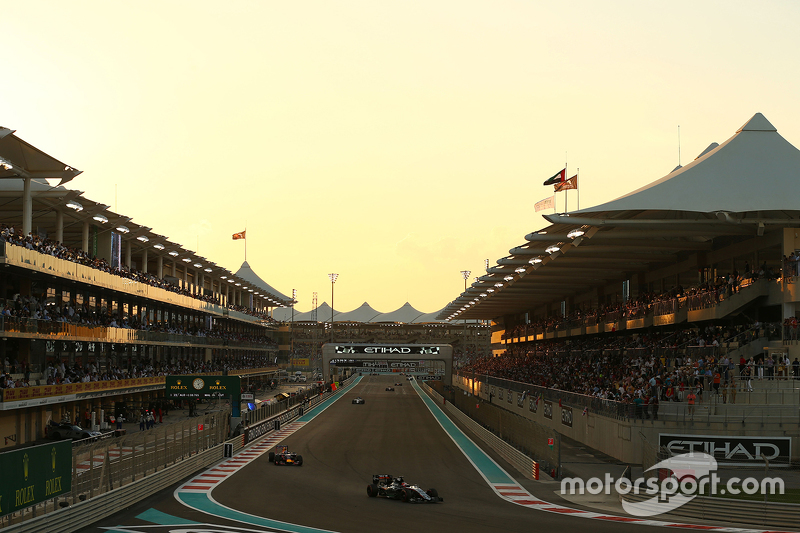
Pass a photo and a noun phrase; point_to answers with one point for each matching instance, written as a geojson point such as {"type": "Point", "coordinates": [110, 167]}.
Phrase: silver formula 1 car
{"type": "Point", "coordinates": [358, 400]}
{"type": "Point", "coordinates": [394, 488]}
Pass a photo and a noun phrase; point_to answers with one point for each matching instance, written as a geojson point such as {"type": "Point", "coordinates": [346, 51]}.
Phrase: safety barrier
{"type": "Point", "coordinates": [763, 514]}
{"type": "Point", "coordinates": [527, 466]}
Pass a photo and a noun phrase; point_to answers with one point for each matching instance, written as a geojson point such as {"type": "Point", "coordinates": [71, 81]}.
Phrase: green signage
{"type": "Point", "coordinates": [203, 386]}
{"type": "Point", "coordinates": [35, 474]}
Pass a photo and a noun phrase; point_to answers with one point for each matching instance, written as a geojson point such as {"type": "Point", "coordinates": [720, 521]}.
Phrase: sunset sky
{"type": "Point", "coordinates": [395, 143]}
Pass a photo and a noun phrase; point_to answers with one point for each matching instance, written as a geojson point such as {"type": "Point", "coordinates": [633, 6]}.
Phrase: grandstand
{"type": "Point", "coordinates": [95, 309]}
{"type": "Point", "coordinates": [686, 285]}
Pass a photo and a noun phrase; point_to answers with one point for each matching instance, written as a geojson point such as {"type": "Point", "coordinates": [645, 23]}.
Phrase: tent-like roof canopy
{"type": "Point", "coordinates": [747, 186]}
{"type": "Point", "coordinates": [247, 274]}
{"type": "Point", "coordinates": [364, 314]}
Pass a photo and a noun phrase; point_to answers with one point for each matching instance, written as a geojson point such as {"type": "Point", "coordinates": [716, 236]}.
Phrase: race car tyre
{"type": "Point", "coordinates": [57, 436]}
{"type": "Point", "coordinates": [432, 493]}
{"type": "Point", "coordinates": [406, 496]}
{"type": "Point", "coordinates": [299, 461]}
{"type": "Point", "coordinates": [372, 490]}
{"type": "Point", "coordinates": [271, 457]}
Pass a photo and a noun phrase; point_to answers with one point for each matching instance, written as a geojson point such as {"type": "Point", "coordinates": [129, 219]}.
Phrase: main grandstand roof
{"type": "Point", "coordinates": [748, 185]}
{"type": "Point", "coordinates": [54, 206]}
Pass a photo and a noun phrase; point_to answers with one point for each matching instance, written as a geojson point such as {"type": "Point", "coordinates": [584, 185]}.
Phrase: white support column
{"type": "Point", "coordinates": [27, 207]}
{"type": "Point", "coordinates": [174, 269]}
{"type": "Point", "coordinates": [60, 226]}
{"type": "Point", "coordinates": [160, 267]}
{"type": "Point", "coordinates": [143, 268]}
{"type": "Point", "coordinates": [85, 243]}
{"type": "Point", "coordinates": [128, 253]}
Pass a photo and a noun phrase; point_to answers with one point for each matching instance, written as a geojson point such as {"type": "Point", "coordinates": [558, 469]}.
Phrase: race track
{"type": "Point", "coordinates": [342, 447]}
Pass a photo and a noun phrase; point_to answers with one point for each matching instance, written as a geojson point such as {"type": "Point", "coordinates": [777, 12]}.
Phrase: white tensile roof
{"type": "Point", "coordinates": [755, 170]}
{"type": "Point", "coordinates": [363, 314]}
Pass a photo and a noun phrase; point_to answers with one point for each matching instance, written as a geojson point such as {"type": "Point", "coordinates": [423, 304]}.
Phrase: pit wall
{"type": "Point", "coordinates": [624, 439]}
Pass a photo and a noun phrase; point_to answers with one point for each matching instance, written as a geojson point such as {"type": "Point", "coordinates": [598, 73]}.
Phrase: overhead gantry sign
{"type": "Point", "coordinates": [434, 360]}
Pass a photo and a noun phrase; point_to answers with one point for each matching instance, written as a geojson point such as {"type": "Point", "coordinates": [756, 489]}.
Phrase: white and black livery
{"type": "Point", "coordinates": [358, 400]}
{"type": "Point", "coordinates": [395, 488]}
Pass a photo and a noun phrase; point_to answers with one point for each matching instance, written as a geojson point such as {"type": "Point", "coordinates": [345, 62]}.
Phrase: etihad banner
{"type": "Point", "coordinates": [732, 450]}
{"type": "Point", "coordinates": [203, 386]}
{"type": "Point", "coordinates": [35, 474]}
{"type": "Point", "coordinates": [300, 362]}
{"type": "Point", "coordinates": [388, 350]}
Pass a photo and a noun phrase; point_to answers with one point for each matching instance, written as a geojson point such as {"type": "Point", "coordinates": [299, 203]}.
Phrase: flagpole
{"type": "Point", "coordinates": [566, 173]}
{"type": "Point", "coordinates": [578, 180]}
{"type": "Point", "coordinates": [245, 244]}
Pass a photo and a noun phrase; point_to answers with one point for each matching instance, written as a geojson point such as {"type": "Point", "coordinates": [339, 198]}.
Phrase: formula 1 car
{"type": "Point", "coordinates": [390, 388]}
{"type": "Point", "coordinates": [282, 456]}
{"type": "Point", "coordinates": [394, 488]}
{"type": "Point", "coordinates": [358, 400]}
{"type": "Point", "coordinates": [398, 384]}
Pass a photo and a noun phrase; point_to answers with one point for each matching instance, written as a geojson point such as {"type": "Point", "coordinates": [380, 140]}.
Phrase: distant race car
{"type": "Point", "coordinates": [409, 378]}
{"type": "Point", "coordinates": [70, 431]}
{"type": "Point", "coordinates": [359, 400]}
{"type": "Point", "coordinates": [398, 384]}
{"type": "Point", "coordinates": [394, 488]}
{"type": "Point", "coordinates": [390, 388]}
{"type": "Point", "coordinates": [282, 456]}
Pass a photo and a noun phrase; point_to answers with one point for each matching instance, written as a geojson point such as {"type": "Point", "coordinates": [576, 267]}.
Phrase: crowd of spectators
{"type": "Point", "coordinates": [15, 237]}
{"type": "Point", "coordinates": [649, 303]}
{"type": "Point", "coordinates": [60, 372]}
{"type": "Point", "coordinates": [30, 307]}
{"type": "Point", "coordinates": [641, 369]}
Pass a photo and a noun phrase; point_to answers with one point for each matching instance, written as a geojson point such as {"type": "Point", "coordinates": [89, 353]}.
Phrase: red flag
{"type": "Point", "coordinates": [240, 235]}
{"type": "Point", "coordinates": [571, 183]}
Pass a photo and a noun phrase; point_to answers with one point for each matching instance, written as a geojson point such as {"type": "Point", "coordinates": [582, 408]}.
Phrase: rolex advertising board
{"type": "Point", "coordinates": [203, 386]}
{"type": "Point", "coordinates": [35, 474]}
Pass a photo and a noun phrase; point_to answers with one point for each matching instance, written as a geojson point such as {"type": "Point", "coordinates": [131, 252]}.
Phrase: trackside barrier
{"type": "Point", "coordinates": [83, 514]}
{"type": "Point", "coordinates": [527, 466]}
{"type": "Point", "coordinates": [732, 511]}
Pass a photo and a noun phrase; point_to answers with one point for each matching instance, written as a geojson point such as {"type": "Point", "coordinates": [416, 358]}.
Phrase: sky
{"type": "Point", "coordinates": [395, 143]}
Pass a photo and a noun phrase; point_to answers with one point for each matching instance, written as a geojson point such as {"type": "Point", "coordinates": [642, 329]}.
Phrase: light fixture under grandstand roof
{"type": "Point", "coordinates": [100, 218]}
{"type": "Point", "coordinates": [142, 238]}
{"type": "Point", "coordinates": [577, 232]}
{"type": "Point", "coordinates": [223, 277]}
{"type": "Point", "coordinates": [123, 229]}
{"type": "Point", "coordinates": [508, 278]}
{"type": "Point", "coordinates": [158, 246]}
{"type": "Point", "coordinates": [484, 295]}
{"type": "Point", "coordinates": [186, 260]}
{"type": "Point", "coordinates": [519, 270]}
{"type": "Point", "coordinates": [498, 284]}
{"type": "Point", "coordinates": [238, 284]}
{"type": "Point", "coordinates": [173, 253]}
{"type": "Point", "coordinates": [72, 204]}
{"type": "Point", "coordinates": [490, 290]}
{"type": "Point", "coordinates": [197, 265]}
{"type": "Point", "coordinates": [553, 248]}
{"type": "Point", "coordinates": [208, 269]}
{"type": "Point", "coordinates": [535, 260]}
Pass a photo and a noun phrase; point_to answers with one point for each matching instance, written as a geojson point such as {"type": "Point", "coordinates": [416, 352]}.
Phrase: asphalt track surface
{"type": "Point", "coordinates": [392, 433]}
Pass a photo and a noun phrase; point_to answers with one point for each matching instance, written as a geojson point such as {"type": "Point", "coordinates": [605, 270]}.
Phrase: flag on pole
{"type": "Point", "coordinates": [557, 178]}
{"type": "Point", "coordinates": [547, 203]}
{"type": "Point", "coordinates": [240, 235]}
{"type": "Point", "coordinates": [585, 410]}
{"type": "Point", "coordinates": [571, 183]}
